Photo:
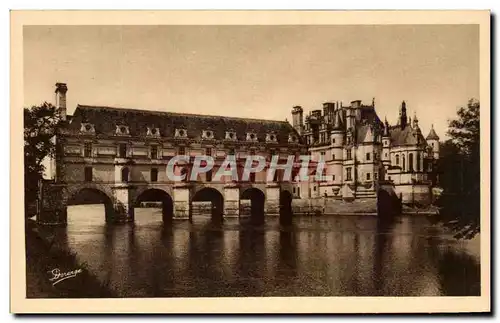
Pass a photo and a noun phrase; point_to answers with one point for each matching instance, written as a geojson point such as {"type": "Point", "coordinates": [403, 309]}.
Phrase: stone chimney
{"type": "Point", "coordinates": [61, 90]}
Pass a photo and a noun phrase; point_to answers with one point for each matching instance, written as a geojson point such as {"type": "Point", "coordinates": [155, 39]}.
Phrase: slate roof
{"type": "Point", "coordinates": [406, 137]}
{"type": "Point", "coordinates": [105, 120]}
{"type": "Point", "coordinates": [432, 134]}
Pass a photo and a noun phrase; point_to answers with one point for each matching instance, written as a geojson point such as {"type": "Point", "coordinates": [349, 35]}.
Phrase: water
{"type": "Point", "coordinates": [317, 256]}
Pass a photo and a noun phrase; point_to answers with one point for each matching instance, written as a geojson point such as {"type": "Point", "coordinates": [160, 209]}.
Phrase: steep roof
{"type": "Point", "coordinates": [432, 134]}
{"type": "Point", "coordinates": [105, 120]}
{"type": "Point", "coordinates": [406, 136]}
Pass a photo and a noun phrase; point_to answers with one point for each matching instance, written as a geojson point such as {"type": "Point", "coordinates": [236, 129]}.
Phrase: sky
{"type": "Point", "coordinates": [257, 71]}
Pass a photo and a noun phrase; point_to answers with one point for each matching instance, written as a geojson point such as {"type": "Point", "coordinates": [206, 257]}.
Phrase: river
{"type": "Point", "coordinates": [316, 256]}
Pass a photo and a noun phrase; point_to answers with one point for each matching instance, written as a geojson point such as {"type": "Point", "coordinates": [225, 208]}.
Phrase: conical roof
{"type": "Point", "coordinates": [432, 134]}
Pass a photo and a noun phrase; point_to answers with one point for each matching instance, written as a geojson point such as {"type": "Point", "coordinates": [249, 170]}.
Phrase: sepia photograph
{"type": "Point", "coordinates": [220, 159]}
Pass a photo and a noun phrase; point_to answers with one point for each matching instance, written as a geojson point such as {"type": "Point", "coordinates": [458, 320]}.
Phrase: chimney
{"type": "Point", "coordinates": [61, 90]}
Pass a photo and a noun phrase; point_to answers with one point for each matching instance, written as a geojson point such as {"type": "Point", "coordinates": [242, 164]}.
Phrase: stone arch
{"type": "Point", "coordinates": [157, 195]}
{"type": "Point", "coordinates": [257, 202]}
{"type": "Point", "coordinates": [92, 195]}
{"type": "Point", "coordinates": [210, 194]}
{"type": "Point", "coordinates": [285, 208]}
{"type": "Point", "coordinates": [201, 186]}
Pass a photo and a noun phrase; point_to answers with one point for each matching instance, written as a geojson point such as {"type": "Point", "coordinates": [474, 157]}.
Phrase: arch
{"type": "Point", "coordinates": [397, 159]}
{"type": "Point", "coordinates": [388, 205]}
{"type": "Point", "coordinates": [404, 163]}
{"type": "Point", "coordinates": [285, 208]}
{"type": "Point", "coordinates": [125, 174]}
{"type": "Point", "coordinates": [257, 201]}
{"type": "Point", "coordinates": [88, 196]}
{"type": "Point", "coordinates": [209, 194]}
{"type": "Point", "coordinates": [157, 195]}
{"type": "Point", "coordinates": [410, 162]}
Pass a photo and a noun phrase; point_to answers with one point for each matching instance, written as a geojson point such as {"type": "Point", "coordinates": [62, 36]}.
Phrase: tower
{"type": "Point", "coordinates": [337, 144]}
{"type": "Point", "coordinates": [433, 141]}
{"type": "Point", "coordinates": [61, 90]}
{"type": "Point", "coordinates": [297, 119]}
{"type": "Point", "coordinates": [386, 143]}
{"type": "Point", "coordinates": [403, 120]}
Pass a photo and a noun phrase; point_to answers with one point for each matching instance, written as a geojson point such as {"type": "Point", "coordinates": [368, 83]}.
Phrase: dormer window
{"type": "Point", "coordinates": [122, 130]}
{"type": "Point", "coordinates": [154, 132]}
{"type": "Point", "coordinates": [207, 134]}
{"type": "Point", "coordinates": [292, 138]}
{"type": "Point", "coordinates": [230, 135]}
{"type": "Point", "coordinates": [271, 137]}
{"type": "Point", "coordinates": [251, 136]}
{"type": "Point", "coordinates": [180, 133]}
{"type": "Point", "coordinates": [87, 128]}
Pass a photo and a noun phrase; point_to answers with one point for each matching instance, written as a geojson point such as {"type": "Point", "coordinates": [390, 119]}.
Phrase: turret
{"type": "Point", "coordinates": [386, 143]}
{"type": "Point", "coordinates": [61, 90]}
{"type": "Point", "coordinates": [433, 141]}
{"type": "Point", "coordinates": [297, 119]}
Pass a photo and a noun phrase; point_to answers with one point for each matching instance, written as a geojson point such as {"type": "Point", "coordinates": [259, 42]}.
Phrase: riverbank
{"type": "Point", "coordinates": [54, 273]}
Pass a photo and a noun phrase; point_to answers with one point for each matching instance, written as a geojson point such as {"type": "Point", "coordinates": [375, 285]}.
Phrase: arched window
{"type": "Point", "coordinates": [410, 162]}
{"type": "Point", "coordinates": [397, 159]}
{"type": "Point", "coordinates": [418, 167]}
{"type": "Point", "coordinates": [404, 163]}
{"type": "Point", "coordinates": [125, 173]}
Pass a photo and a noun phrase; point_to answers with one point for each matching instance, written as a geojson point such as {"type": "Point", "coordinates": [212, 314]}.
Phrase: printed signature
{"type": "Point", "coordinates": [58, 276]}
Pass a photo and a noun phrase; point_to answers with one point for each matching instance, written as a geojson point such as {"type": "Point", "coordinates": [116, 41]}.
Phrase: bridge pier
{"type": "Point", "coordinates": [123, 205]}
{"type": "Point", "coordinates": [231, 201]}
{"type": "Point", "coordinates": [182, 205]}
{"type": "Point", "coordinates": [272, 206]}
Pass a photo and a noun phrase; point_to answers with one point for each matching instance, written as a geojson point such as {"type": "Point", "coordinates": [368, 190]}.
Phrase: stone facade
{"type": "Point", "coordinates": [361, 151]}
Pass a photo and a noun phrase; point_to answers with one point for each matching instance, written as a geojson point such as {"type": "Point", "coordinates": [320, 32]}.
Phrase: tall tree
{"type": "Point", "coordinates": [459, 168]}
{"type": "Point", "coordinates": [40, 124]}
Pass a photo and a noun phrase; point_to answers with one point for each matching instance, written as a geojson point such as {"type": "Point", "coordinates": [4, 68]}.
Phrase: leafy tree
{"type": "Point", "coordinates": [40, 124]}
{"type": "Point", "coordinates": [459, 168]}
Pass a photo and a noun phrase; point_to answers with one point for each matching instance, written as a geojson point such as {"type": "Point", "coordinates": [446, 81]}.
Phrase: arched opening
{"type": "Point", "coordinates": [388, 205]}
{"type": "Point", "coordinates": [286, 213]}
{"type": "Point", "coordinates": [90, 206]}
{"type": "Point", "coordinates": [404, 163]}
{"type": "Point", "coordinates": [410, 162]}
{"type": "Point", "coordinates": [257, 200]}
{"type": "Point", "coordinates": [155, 198]}
{"type": "Point", "coordinates": [208, 201]}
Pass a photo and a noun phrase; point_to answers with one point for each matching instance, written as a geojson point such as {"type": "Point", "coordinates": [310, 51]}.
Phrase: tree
{"type": "Point", "coordinates": [40, 124]}
{"type": "Point", "coordinates": [459, 168]}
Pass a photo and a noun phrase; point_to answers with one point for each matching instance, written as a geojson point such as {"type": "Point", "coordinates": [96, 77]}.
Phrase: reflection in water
{"type": "Point", "coordinates": [320, 256]}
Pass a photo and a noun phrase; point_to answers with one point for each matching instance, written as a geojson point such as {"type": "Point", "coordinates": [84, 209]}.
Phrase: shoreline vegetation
{"type": "Point", "coordinates": [42, 258]}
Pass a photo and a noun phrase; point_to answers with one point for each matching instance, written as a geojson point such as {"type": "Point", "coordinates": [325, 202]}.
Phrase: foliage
{"type": "Point", "coordinates": [40, 124]}
{"type": "Point", "coordinates": [459, 169]}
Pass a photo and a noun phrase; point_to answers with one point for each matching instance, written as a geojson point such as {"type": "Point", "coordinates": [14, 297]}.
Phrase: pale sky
{"type": "Point", "coordinates": [257, 71]}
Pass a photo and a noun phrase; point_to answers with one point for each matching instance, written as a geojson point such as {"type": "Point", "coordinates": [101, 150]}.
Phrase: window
{"type": "Point", "coordinates": [298, 191]}
{"type": "Point", "coordinates": [385, 155]}
{"type": "Point", "coordinates": [404, 163]}
{"type": "Point", "coordinates": [333, 177]}
{"type": "Point", "coordinates": [252, 177]}
{"type": "Point", "coordinates": [397, 160]}
{"type": "Point", "coordinates": [275, 178]}
{"type": "Point", "coordinates": [294, 190]}
{"type": "Point", "coordinates": [125, 174]}
{"type": "Point", "coordinates": [232, 152]}
{"type": "Point", "coordinates": [88, 174]}
{"type": "Point", "coordinates": [181, 151]}
{"type": "Point", "coordinates": [87, 152]}
{"type": "Point", "coordinates": [367, 156]}
{"type": "Point", "coordinates": [375, 176]}
{"type": "Point", "coordinates": [349, 154]}
{"type": "Point", "coordinates": [410, 162]}
{"type": "Point", "coordinates": [432, 144]}
{"type": "Point", "coordinates": [122, 150]}
{"type": "Point", "coordinates": [154, 152]}
{"type": "Point", "coordinates": [208, 176]}
{"type": "Point", "coordinates": [208, 151]}
{"type": "Point", "coordinates": [389, 177]}
{"type": "Point", "coordinates": [368, 176]}
{"type": "Point", "coordinates": [333, 140]}
{"type": "Point", "coordinates": [333, 156]}
{"type": "Point", "coordinates": [349, 174]}
{"type": "Point", "coordinates": [418, 167]}
{"type": "Point", "coordinates": [154, 175]}
{"type": "Point", "coordinates": [315, 188]}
